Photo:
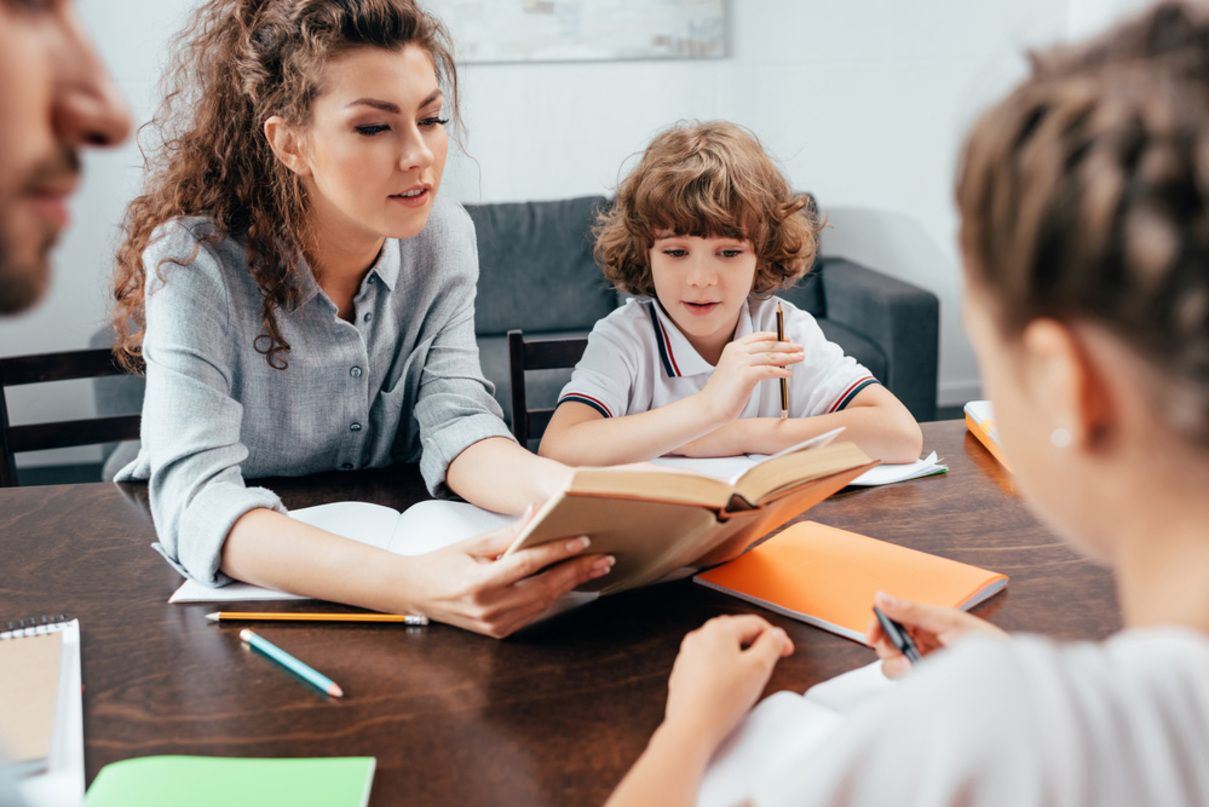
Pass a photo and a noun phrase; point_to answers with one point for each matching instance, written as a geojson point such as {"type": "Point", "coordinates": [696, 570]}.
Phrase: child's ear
{"type": "Point", "coordinates": [287, 144]}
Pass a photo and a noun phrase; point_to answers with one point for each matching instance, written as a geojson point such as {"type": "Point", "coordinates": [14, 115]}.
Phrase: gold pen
{"type": "Point", "coordinates": [784, 381]}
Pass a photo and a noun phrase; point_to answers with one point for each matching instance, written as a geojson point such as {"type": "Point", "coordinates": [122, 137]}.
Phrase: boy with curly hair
{"type": "Point", "coordinates": [703, 231]}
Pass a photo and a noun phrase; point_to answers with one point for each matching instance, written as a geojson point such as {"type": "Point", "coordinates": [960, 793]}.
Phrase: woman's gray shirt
{"type": "Point", "coordinates": [401, 383]}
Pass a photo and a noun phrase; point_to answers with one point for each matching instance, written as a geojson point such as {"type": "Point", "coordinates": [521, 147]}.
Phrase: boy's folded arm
{"type": "Point", "coordinates": [579, 435]}
{"type": "Point", "coordinates": [875, 420]}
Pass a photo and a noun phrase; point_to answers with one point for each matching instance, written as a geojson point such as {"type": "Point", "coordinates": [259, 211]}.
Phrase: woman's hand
{"type": "Point", "coordinates": [744, 363]}
{"type": "Point", "coordinates": [472, 586]}
{"type": "Point", "coordinates": [720, 672]}
{"type": "Point", "coordinates": [931, 626]}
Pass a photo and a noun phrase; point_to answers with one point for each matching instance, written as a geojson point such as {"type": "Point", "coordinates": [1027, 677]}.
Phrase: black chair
{"type": "Point", "coordinates": [549, 353]}
{"type": "Point", "coordinates": [66, 366]}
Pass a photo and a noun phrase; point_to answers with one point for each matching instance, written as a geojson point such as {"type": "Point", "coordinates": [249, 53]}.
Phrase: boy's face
{"type": "Point", "coordinates": [55, 98]}
{"type": "Point", "coordinates": [703, 284]}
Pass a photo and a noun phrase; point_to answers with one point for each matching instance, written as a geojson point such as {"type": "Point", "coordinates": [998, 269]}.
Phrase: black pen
{"type": "Point", "coordinates": [898, 636]}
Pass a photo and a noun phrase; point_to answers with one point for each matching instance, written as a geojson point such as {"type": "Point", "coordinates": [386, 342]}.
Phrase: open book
{"type": "Point", "coordinates": [656, 522]}
{"type": "Point", "coordinates": [784, 727]}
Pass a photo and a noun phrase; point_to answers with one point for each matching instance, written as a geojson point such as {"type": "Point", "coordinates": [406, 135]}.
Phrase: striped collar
{"type": "Point", "coordinates": [677, 355]}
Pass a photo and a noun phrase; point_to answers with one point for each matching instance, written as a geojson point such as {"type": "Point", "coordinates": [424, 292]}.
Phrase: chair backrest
{"type": "Point", "coordinates": [66, 366]}
{"type": "Point", "coordinates": [536, 354]}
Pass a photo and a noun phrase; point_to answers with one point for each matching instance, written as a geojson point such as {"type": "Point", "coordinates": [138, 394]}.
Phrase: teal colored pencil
{"type": "Point", "coordinates": [303, 670]}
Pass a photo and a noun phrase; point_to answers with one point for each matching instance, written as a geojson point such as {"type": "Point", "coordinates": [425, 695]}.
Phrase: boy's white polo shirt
{"type": "Point", "coordinates": [638, 360]}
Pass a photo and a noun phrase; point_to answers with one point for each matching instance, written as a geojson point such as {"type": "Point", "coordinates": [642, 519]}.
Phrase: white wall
{"type": "Point", "coordinates": [864, 102]}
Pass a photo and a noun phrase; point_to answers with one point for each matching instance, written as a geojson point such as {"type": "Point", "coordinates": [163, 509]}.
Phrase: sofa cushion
{"type": "Point", "coordinates": [808, 293]}
{"type": "Point", "coordinates": [858, 346]}
{"type": "Point", "coordinates": [536, 270]}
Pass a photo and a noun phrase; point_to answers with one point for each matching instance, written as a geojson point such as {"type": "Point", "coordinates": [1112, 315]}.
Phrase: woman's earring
{"type": "Point", "coordinates": [1060, 438]}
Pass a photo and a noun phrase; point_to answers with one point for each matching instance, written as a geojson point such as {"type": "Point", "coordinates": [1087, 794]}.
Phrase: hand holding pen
{"type": "Point", "coordinates": [919, 629]}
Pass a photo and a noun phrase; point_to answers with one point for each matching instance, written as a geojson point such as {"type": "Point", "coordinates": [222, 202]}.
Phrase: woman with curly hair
{"type": "Point", "coordinates": [303, 301]}
{"type": "Point", "coordinates": [704, 230]}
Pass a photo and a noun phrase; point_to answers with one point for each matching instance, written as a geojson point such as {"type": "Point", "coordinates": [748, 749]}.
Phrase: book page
{"type": "Point", "coordinates": [729, 469]}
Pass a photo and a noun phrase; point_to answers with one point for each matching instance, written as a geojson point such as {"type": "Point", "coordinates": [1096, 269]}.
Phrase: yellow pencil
{"type": "Point", "coordinates": [784, 381]}
{"type": "Point", "coordinates": [298, 616]}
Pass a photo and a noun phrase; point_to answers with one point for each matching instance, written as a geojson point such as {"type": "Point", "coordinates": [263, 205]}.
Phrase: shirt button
{"type": "Point", "coordinates": [348, 466]}
{"type": "Point", "coordinates": [355, 372]}
{"type": "Point", "coordinates": [373, 278]}
{"type": "Point", "coordinates": [368, 316]}
{"type": "Point", "coordinates": [354, 427]}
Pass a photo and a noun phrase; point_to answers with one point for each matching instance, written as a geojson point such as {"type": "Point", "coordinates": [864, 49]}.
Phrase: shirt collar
{"type": "Point", "coordinates": [385, 270]}
{"type": "Point", "coordinates": [676, 354]}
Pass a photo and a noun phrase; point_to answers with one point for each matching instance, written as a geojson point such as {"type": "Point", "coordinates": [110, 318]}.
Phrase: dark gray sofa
{"type": "Point", "coordinates": [537, 274]}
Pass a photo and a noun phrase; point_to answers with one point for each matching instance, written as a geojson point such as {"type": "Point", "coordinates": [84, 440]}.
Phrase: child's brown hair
{"type": "Point", "coordinates": [1084, 195]}
{"type": "Point", "coordinates": [711, 180]}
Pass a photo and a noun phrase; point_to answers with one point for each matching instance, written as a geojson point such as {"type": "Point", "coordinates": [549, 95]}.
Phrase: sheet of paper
{"type": "Point", "coordinates": [889, 473]}
{"type": "Point", "coordinates": [234, 782]}
{"type": "Point", "coordinates": [424, 527]}
{"type": "Point", "coordinates": [62, 784]}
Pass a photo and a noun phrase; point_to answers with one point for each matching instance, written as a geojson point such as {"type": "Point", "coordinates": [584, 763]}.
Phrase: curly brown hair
{"type": "Point", "coordinates": [237, 63]}
{"type": "Point", "coordinates": [712, 180]}
{"type": "Point", "coordinates": [1084, 195]}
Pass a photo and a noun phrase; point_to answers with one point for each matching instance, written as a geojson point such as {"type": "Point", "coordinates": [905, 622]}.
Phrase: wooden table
{"type": "Point", "coordinates": [552, 716]}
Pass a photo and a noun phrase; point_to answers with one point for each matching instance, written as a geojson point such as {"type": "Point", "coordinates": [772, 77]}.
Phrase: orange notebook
{"type": "Point", "coordinates": [827, 577]}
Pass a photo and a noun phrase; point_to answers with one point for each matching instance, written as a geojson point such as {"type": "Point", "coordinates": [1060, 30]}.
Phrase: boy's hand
{"type": "Point", "coordinates": [744, 363]}
{"type": "Point", "coordinates": [931, 626]}
{"type": "Point", "coordinates": [720, 672]}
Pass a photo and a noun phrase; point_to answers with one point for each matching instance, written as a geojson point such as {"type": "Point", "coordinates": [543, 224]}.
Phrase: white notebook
{"type": "Point", "coordinates": [783, 727]}
{"type": "Point", "coordinates": [57, 778]}
{"type": "Point", "coordinates": [421, 528]}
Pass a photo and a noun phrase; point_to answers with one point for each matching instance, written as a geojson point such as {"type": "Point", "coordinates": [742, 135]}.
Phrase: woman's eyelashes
{"type": "Point", "coordinates": [372, 129]}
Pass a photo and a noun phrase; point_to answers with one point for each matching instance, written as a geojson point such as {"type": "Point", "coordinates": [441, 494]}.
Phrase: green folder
{"type": "Point", "coordinates": [182, 781]}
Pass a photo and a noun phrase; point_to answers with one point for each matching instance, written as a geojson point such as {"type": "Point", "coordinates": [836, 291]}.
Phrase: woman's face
{"type": "Point", "coordinates": [375, 147]}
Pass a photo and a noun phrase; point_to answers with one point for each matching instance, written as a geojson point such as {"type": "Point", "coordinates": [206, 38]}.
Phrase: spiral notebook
{"type": "Point", "coordinates": [41, 713]}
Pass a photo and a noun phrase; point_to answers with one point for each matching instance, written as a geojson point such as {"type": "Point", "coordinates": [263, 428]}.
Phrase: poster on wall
{"type": "Point", "coordinates": [486, 31]}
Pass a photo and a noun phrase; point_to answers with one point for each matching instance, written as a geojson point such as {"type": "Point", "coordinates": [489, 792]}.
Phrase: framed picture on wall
{"type": "Point", "coordinates": [486, 31]}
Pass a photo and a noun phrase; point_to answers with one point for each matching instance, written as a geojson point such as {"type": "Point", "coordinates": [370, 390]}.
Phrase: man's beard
{"type": "Point", "coordinates": [23, 279]}
{"type": "Point", "coordinates": [25, 257]}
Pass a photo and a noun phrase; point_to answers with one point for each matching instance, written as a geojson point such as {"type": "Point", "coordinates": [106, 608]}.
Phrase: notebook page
{"type": "Point", "coordinates": [29, 668]}
{"type": "Point", "coordinates": [361, 521]}
{"type": "Point", "coordinates": [853, 689]}
{"type": "Point", "coordinates": [63, 781]}
{"type": "Point", "coordinates": [435, 524]}
{"type": "Point", "coordinates": [783, 727]}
